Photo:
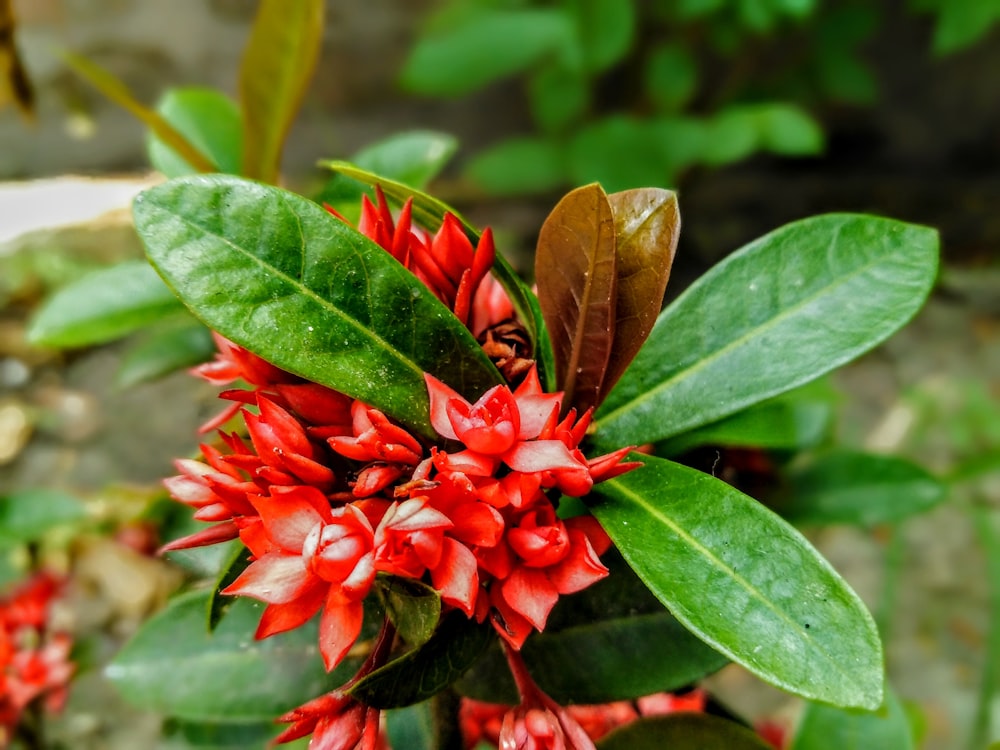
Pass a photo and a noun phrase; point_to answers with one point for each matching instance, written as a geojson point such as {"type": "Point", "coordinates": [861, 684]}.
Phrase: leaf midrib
{"type": "Point", "coordinates": [746, 585]}
{"type": "Point", "coordinates": [704, 362]}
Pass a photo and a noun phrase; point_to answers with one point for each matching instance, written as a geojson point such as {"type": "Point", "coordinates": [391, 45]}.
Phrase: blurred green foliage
{"type": "Point", "coordinates": [630, 93]}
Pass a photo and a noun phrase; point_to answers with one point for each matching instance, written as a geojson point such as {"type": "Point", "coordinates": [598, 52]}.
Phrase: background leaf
{"type": "Point", "coordinates": [28, 515]}
{"type": "Point", "coordinates": [744, 581]}
{"type": "Point", "coordinates": [252, 260]}
{"type": "Point", "coordinates": [647, 226]}
{"type": "Point", "coordinates": [683, 731]}
{"type": "Point", "coordinates": [823, 727]}
{"type": "Point", "coordinates": [175, 666]}
{"type": "Point", "coordinates": [117, 92]}
{"type": "Point", "coordinates": [168, 348]}
{"type": "Point", "coordinates": [859, 488]}
{"type": "Point", "coordinates": [277, 65]}
{"type": "Point", "coordinates": [414, 157]}
{"type": "Point", "coordinates": [478, 48]}
{"type": "Point", "coordinates": [102, 306]}
{"type": "Point", "coordinates": [606, 29]}
{"type": "Point", "coordinates": [411, 727]}
{"type": "Point", "coordinates": [519, 165]}
{"type": "Point", "coordinates": [211, 122]}
{"type": "Point", "coordinates": [778, 313]}
{"type": "Point", "coordinates": [577, 290]}
{"type": "Point", "coordinates": [425, 671]}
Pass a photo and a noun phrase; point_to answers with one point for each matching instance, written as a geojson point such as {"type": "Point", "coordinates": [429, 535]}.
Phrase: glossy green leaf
{"type": "Point", "coordinates": [860, 488]}
{"type": "Point", "coordinates": [179, 734]}
{"type": "Point", "coordinates": [647, 226]}
{"type": "Point", "coordinates": [476, 48]}
{"type": "Point", "coordinates": [429, 212]}
{"type": "Point", "coordinates": [823, 727]}
{"type": "Point", "coordinates": [792, 421]}
{"type": "Point", "coordinates": [28, 515]}
{"type": "Point", "coordinates": [425, 671]}
{"type": "Point", "coordinates": [519, 165]}
{"type": "Point", "coordinates": [744, 581]}
{"type": "Point", "coordinates": [116, 91]}
{"type": "Point", "coordinates": [778, 313]}
{"type": "Point", "coordinates": [684, 731]}
{"type": "Point", "coordinates": [606, 29]}
{"type": "Point", "coordinates": [577, 284]}
{"type": "Point", "coordinates": [209, 120]}
{"type": "Point", "coordinates": [277, 65]}
{"type": "Point", "coordinates": [413, 607]}
{"type": "Point", "coordinates": [103, 305]}
{"type": "Point", "coordinates": [604, 660]}
{"type": "Point", "coordinates": [611, 641]}
{"type": "Point", "coordinates": [175, 666]}
{"type": "Point", "coordinates": [251, 260]}
{"type": "Point", "coordinates": [237, 561]}
{"type": "Point", "coordinates": [414, 158]}
{"type": "Point", "coordinates": [166, 349]}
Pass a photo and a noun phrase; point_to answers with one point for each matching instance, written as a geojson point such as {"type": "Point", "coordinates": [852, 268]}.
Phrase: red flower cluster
{"type": "Point", "coordinates": [326, 492]}
{"type": "Point", "coordinates": [33, 663]}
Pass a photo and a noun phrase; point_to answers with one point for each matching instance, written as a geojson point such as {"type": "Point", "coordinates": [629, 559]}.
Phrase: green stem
{"type": "Point", "coordinates": [895, 554]}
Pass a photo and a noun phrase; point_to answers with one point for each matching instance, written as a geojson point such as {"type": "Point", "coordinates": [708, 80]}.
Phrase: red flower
{"type": "Point", "coordinates": [309, 557]}
{"type": "Point", "coordinates": [336, 722]}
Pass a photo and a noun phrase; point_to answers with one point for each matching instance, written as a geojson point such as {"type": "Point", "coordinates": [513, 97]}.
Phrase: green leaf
{"type": "Point", "coordinates": [778, 313]}
{"type": "Point", "coordinates": [683, 731]}
{"type": "Point", "coordinates": [28, 515]}
{"type": "Point", "coordinates": [277, 65]}
{"type": "Point", "coordinates": [671, 77]}
{"type": "Point", "coordinates": [647, 227]}
{"type": "Point", "coordinates": [413, 607]}
{"type": "Point", "coordinates": [577, 290]}
{"type": "Point", "coordinates": [606, 29]}
{"type": "Point", "coordinates": [962, 23]}
{"type": "Point", "coordinates": [117, 92]}
{"type": "Point", "coordinates": [733, 134]}
{"type": "Point", "coordinates": [192, 735]}
{"type": "Point", "coordinates": [792, 421]}
{"type": "Point", "coordinates": [165, 350]}
{"type": "Point", "coordinates": [519, 165]}
{"type": "Point", "coordinates": [599, 661]}
{"type": "Point", "coordinates": [429, 213]}
{"type": "Point", "coordinates": [788, 130]}
{"type": "Point", "coordinates": [237, 561]}
{"type": "Point", "coordinates": [252, 260]}
{"type": "Point", "coordinates": [103, 305]}
{"type": "Point", "coordinates": [415, 157]}
{"type": "Point", "coordinates": [476, 49]}
{"type": "Point", "coordinates": [427, 670]}
{"type": "Point", "coordinates": [210, 121]}
{"type": "Point", "coordinates": [174, 666]}
{"type": "Point", "coordinates": [860, 488]}
{"type": "Point", "coordinates": [411, 727]}
{"type": "Point", "coordinates": [744, 581]}
{"type": "Point", "coordinates": [823, 727]}
{"type": "Point", "coordinates": [559, 94]}
{"type": "Point", "coordinates": [620, 152]}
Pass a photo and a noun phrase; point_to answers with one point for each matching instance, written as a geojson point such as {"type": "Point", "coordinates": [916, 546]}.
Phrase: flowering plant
{"type": "Point", "coordinates": [435, 452]}
{"type": "Point", "coordinates": [444, 505]}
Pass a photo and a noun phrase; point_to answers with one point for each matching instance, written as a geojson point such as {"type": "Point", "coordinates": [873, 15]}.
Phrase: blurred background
{"type": "Point", "coordinates": [758, 112]}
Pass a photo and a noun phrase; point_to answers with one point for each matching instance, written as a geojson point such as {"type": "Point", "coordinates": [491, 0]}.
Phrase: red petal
{"type": "Point", "coordinates": [275, 578]}
{"type": "Point", "coordinates": [339, 627]}
{"type": "Point", "coordinates": [580, 568]}
{"type": "Point", "coordinates": [440, 394]}
{"type": "Point", "coordinates": [530, 593]}
{"type": "Point", "coordinates": [290, 513]}
{"type": "Point", "coordinates": [456, 576]}
{"type": "Point", "coordinates": [278, 618]}
{"type": "Point", "coordinates": [541, 455]}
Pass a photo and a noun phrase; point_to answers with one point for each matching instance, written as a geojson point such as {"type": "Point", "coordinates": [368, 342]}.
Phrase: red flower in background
{"type": "Point", "coordinates": [34, 663]}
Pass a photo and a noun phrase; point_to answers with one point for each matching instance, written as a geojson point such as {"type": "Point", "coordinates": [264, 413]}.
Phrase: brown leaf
{"type": "Point", "coordinates": [277, 66]}
{"type": "Point", "coordinates": [575, 272]}
{"type": "Point", "coordinates": [14, 83]}
{"type": "Point", "coordinates": [647, 225]}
